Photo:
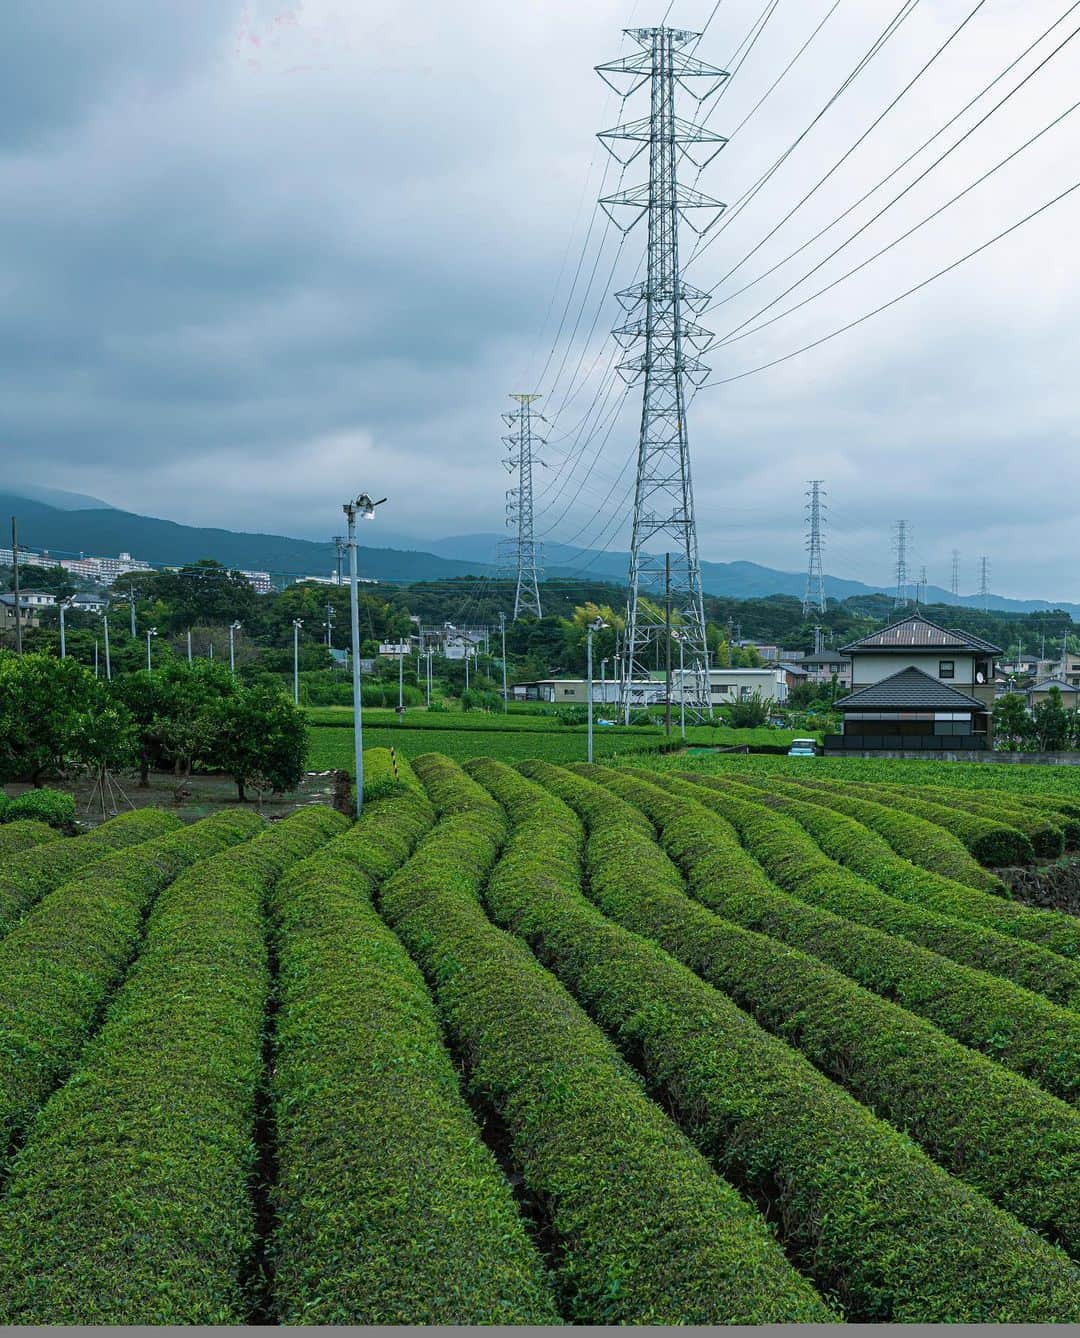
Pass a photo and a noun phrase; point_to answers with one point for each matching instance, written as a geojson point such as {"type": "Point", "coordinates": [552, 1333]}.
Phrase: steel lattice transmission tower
{"type": "Point", "coordinates": [523, 553]}
{"type": "Point", "coordinates": [984, 583]}
{"type": "Point", "coordinates": [662, 344]}
{"type": "Point", "coordinates": [956, 573]}
{"type": "Point", "coordinates": [900, 548]}
{"type": "Point", "coordinates": [815, 577]}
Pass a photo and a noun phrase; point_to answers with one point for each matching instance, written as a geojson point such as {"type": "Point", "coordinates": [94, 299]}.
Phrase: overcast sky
{"type": "Point", "coordinates": [256, 255]}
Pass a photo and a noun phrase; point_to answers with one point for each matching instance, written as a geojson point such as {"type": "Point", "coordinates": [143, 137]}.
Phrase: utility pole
{"type": "Point", "coordinates": [502, 631]}
{"type": "Point", "coordinates": [296, 626]}
{"type": "Point", "coordinates": [667, 645]}
{"type": "Point", "coordinates": [667, 341]}
{"type": "Point", "coordinates": [189, 645]}
{"type": "Point", "coordinates": [900, 537]}
{"type": "Point", "coordinates": [63, 640]}
{"type": "Point", "coordinates": [956, 573]}
{"type": "Point", "coordinates": [329, 623]}
{"type": "Point", "coordinates": [340, 545]}
{"type": "Point", "coordinates": [814, 596]}
{"type": "Point", "coordinates": [131, 600]}
{"type": "Point", "coordinates": [15, 569]}
{"type": "Point", "coordinates": [523, 551]}
{"type": "Point", "coordinates": [984, 583]}
{"type": "Point", "coordinates": [108, 660]}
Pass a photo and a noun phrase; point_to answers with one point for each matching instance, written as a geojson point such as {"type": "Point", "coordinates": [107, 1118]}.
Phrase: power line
{"type": "Point", "coordinates": [735, 334]}
{"type": "Point", "coordinates": [892, 302]}
{"type": "Point", "coordinates": [729, 297]}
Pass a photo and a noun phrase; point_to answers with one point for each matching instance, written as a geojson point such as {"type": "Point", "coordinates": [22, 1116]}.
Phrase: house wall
{"type": "Point", "coordinates": [868, 669]}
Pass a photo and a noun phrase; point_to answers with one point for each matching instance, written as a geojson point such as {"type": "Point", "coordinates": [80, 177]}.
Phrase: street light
{"type": "Point", "coordinates": [365, 507]}
{"type": "Point", "coordinates": [597, 625]}
{"type": "Point", "coordinates": [297, 623]}
{"type": "Point", "coordinates": [233, 628]}
{"type": "Point", "coordinates": [150, 632]}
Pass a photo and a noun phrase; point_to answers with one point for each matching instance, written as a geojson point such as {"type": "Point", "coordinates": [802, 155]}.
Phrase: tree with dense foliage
{"type": "Point", "coordinates": [40, 699]}
{"type": "Point", "coordinates": [1051, 722]}
{"type": "Point", "coordinates": [1012, 724]}
{"type": "Point", "coordinates": [260, 739]}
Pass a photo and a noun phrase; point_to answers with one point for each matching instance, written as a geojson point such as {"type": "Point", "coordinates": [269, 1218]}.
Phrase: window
{"type": "Point", "coordinates": [946, 669]}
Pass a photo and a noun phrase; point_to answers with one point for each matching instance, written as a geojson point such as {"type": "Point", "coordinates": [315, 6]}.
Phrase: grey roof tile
{"type": "Point", "coordinates": [909, 690]}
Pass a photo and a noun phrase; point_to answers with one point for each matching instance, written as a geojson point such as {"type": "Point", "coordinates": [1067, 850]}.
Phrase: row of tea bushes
{"type": "Point", "coordinates": [130, 1201]}
{"type": "Point", "coordinates": [25, 834]}
{"type": "Point", "coordinates": [61, 962]}
{"type": "Point", "coordinates": [989, 1127]}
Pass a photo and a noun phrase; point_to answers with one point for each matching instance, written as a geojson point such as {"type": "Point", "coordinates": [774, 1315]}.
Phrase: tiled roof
{"type": "Point", "coordinates": [1049, 683]}
{"type": "Point", "coordinates": [909, 690]}
{"type": "Point", "coordinates": [916, 633]}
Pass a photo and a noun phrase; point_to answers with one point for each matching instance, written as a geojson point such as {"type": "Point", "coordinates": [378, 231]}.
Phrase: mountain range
{"type": "Point", "coordinates": [68, 524]}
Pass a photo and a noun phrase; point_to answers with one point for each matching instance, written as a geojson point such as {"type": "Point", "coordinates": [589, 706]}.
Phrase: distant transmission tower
{"type": "Point", "coordinates": [984, 583]}
{"type": "Point", "coordinates": [524, 552]}
{"type": "Point", "coordinates": [921, 599]}
{"type": "Point", "coordinates": [956, 573]}
{"type": "Point", "coordinates": [815, 578]}
{"type": "Point", "coordinates": [666, 345]}
{"type": "Point", "coordinates": [900, 548]}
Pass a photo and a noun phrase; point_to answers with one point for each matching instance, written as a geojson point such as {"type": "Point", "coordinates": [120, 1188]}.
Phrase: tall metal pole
{"type": "Point", "coordinates": [401, 680]}
{"type": "Point", "coordinates": [232, 651]}
{"type": "Point", "coordinates": [667, 341]}
{"type": "Point", "coordinates": [682, 691]}
{"type": "Point", "coordinates": [667, 645]}
{"type": "Point", "coordinates": [296, 626]}
{"type": "Point", "coordinates": [603, 683]}
{"type": "Point", "coordinates": [429, 676]}
{"type": "Point", "coordinates": [15, 569]}
{"type": "Point", "coordinates": [354, 625]}
{"type": "Point", "coordinates": [150, 631]}
{"type": "Point", "coordinates": [63, 640]}
{"type": "Point", "coordinates": [588, 688]}
{"type": "Point", "coordinates": [465, 639]}
{"type": "Point", "coordinates": [189, 645]}
{"type": "Point", "coordinates": [95, 657]}
{"type": "Point", "coordinates": [502, 629]}
{"type": "Point", "coordinates": [814, 596]}
{"type": "Point", "coordinates": [524, 550]}
{"type": "Point", "coordinates": [131, 600]}
{"type": "Point", "coordinates": [108, 660]}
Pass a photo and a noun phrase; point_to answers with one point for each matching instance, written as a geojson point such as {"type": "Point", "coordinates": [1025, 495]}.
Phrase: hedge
{"type": "Point", "coordinates": [130, 1201]}
{"type": "Point", "coordinates": [58, 965]}
{"type": "Point", "coordinates": [916, 839]}
{"type": "Point", "coordinates": [862, 850]}
{"type": "Point", "coordinates": [29, 876]}
{"type": "Point", "coordinates": [858, 1206]}
{"type": "Point", "coordinates": [643, 1231]}
{"type": "Point", "coordinates": [795, 862]}
{"type": "Point", "coordinates": [995, 844]}
{"type": "Point", "coordinates": [1047, 837]}
{"type": "Point", "coordinates": [984, 1124]}
{"type": "Point", "coordinates": [386, 772]}
{"type": "Point", "coordinates": [55, 807]}
{"type": "Point", "coordinates": [24, 834]}
{"type": "Point", "coordinates": [390, 1209]}
{"type": "Point", "coordinates": [1022, 1030]}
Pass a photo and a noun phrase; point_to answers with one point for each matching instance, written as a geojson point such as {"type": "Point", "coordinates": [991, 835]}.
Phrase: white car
{"type": "Point", "coordinates": [802, 748]}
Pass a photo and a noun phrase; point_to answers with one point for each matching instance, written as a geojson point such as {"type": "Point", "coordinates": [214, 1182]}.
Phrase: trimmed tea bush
{"type": "Point", "coordinates": [58, 966]}
{"type": "Point", "coordinates": [645, 1231]}
{"type": "Point", "coordinates": [29, 876]}
{"type": "Point", "coordinates": [390, 1208]}
{"type": "Point", "coordinates": [993, 1129]}
{"type": "Point", "coordinates": [130, 1202]}
{"type": "Point", "coordinates": [24, 834]}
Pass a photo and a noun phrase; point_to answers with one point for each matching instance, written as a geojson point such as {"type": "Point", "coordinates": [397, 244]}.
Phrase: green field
{"type": "Point", "coordinates": [686, 1041]}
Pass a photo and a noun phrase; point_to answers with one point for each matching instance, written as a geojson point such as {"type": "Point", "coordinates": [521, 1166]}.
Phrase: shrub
{"type": "Point", "coordinates": [868, 854]}
{"type": "Point", "coordinates": [25, 834]}
{"type": "Point", "coordinates": [155, 1126]}
{"type": "Point", "coordinates": [992, 843]}
{"type": "Point", "coordinates": [1047, 839]}
{"type": "Point", "coordinates": [51, 806]}
{"type": "Point", "coordinates": [646, 1232]}
{"type": "Point", "coordinates": [29, 876]}
{"type": "Point", "coordinates": [1022, 1030]}
{"type": "Point", "coordinates": [58, 966]}
{"type": "Point", "coordinates": [386, 772]}
{"type": "Point", "coordinates": [390, 1207]}
{"type": "Point", "coordinates": [860, 1207]}
{"type": "Point", "coordinates": [994, 1130]}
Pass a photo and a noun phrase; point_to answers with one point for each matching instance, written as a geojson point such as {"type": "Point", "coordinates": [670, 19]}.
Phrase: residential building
{"type": "Point", "coordinates": [918, 686]}
{"type": "Point", "coordinates": [1040, 692]}
{"type": "Point", "coordinates": [823, 665]}
{"type": "Point", "coordinates": [26, 616]}
{"type": "Point", "coordinates": [259, 580]}
{"type": "Point", "coordinates": [728, 685]}
{"type": "Point", "coordinates": [37, 599]}
{"type": "Point", "coordinates": [89, 603]}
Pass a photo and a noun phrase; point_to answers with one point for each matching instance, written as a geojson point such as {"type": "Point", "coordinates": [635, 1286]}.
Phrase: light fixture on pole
{"type": "Point", "coordinates": [150, 632]}
{"type": "Point", "coordinates": [233, 628]}
{"type": "Point", "coordinates": [595, 626]}
{"type": "Point", "coordinates": [365, 507]}
{"type": "Point", "coordinates": [297, 623]}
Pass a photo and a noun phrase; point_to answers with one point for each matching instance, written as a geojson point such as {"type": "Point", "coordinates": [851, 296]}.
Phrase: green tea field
{"type": "Point", "coordinates": [688, 1041]}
